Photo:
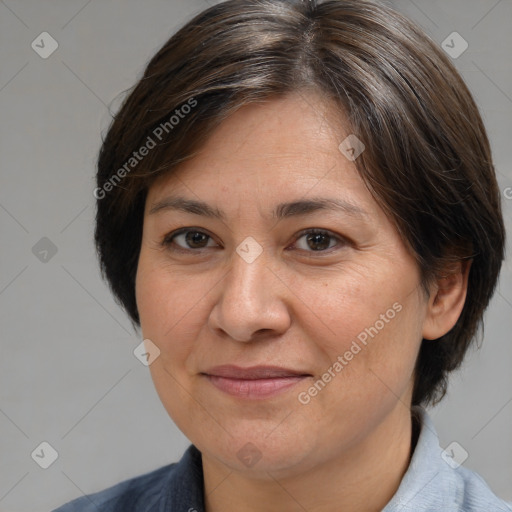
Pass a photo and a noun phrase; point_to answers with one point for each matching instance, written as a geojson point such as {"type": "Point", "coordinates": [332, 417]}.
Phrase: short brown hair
{"type": "Point", "coordinates": [427, 160]}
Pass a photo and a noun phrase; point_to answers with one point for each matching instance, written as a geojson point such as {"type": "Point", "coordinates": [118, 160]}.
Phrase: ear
{"type": "Point", "coordinates": [447, 298]}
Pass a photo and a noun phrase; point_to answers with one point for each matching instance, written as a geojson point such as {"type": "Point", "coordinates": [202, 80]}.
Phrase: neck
{"type": "Point", "coordinates": [363, 479]}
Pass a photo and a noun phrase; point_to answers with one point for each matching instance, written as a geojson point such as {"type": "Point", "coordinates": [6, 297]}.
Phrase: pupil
{"type": "Point", "coordinates": [194, 237]}
{"type": "Point", "coordinates": [316, 238]}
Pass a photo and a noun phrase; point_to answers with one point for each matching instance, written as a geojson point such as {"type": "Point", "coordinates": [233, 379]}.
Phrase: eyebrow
{"type": "Point", "coordinates": [282, 210]}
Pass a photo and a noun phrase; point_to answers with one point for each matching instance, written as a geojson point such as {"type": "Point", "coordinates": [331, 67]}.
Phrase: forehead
{"type": "Point", "coordinates": [288, 146]}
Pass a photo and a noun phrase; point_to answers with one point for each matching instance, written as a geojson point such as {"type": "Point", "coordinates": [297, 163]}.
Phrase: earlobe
{"type": "Point", "coordinates": [446, 301]}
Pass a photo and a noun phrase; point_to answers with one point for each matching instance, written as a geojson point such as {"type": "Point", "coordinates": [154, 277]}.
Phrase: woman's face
{"type": "Point", "coordinates": [341, 306]}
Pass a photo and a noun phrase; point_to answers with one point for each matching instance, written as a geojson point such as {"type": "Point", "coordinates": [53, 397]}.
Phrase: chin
{"type": "Point", "coordinates": [259, 451]}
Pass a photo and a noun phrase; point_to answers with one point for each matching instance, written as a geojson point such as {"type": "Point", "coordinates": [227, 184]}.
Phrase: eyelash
{"type": "Point", "coordinates": [168, 241]}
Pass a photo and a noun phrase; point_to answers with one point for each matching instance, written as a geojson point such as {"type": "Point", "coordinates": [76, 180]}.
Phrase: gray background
{"type": "Point", "coordinates": [68, 375]}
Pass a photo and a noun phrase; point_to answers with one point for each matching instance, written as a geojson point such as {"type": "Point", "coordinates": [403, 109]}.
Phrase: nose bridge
{"type": "Point", "coordinates": [248, 282]}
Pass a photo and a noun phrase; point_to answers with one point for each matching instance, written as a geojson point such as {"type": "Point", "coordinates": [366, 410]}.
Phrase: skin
{"type": "Point", "coordinates": [293, 306]}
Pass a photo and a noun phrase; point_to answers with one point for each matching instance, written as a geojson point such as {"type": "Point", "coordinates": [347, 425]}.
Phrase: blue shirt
{"type": "Point", "coordinates": [433, 482]}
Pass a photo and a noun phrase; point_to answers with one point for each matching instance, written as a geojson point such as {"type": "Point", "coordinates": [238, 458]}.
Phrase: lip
{"type": "Point", "coordinates": [231, 371]}
{"type": "Point", "coordinates": [255, 382]}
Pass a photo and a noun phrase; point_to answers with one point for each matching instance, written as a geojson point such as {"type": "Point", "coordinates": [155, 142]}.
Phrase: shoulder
{"type": "Point", "coordinates": [176, 486]}
{"type": "Point", "coordinates": [436, 481]}
{"type": "Point", "coordinates": [475, 494]}
{"type": "Point", "coordinates": [143, 493]}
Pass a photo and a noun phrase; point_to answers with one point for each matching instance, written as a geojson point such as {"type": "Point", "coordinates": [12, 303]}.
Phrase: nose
{"type": "Point", "coordinates": [252, 302]}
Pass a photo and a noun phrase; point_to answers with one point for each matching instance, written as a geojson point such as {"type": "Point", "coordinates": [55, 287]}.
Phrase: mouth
{"type": "Point", "coordinates": [256, 382]}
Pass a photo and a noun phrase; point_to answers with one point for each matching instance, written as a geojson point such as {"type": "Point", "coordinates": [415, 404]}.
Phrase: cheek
{"type": "Point", "coordinates": [166, 310]}
{"type": "Point", "coordinates": [358, 304]}
{"type": "Point", "coordinates": [163, 298]}
{"type": "Point", "coordinates": [375, 364]}
{"type": "Point", "coordinates": [172, 310]}
{"type": "Point", "coordinates": [150, 296]}
{"type": "Point", "coordinates": [373, 336]}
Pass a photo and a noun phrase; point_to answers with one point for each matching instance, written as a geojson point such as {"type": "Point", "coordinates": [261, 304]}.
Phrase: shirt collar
{"type": "Point", "coordinates": [428, 481]}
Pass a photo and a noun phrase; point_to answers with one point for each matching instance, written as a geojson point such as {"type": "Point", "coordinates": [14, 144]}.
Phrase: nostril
{"type": "Point", "coordinates": [262, 331]}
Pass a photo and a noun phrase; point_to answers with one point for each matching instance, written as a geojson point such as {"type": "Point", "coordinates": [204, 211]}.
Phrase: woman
{"type": "Point", "coordinates": [297, 206]}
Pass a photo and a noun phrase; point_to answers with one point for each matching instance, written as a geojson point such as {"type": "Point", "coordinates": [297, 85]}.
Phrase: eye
{"type": "Point", "coordinates": [189, 238]}
{"type": "Point", "coordinates": [317, 240]}
{"type": "Point", "coordinates": [193, 240]}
